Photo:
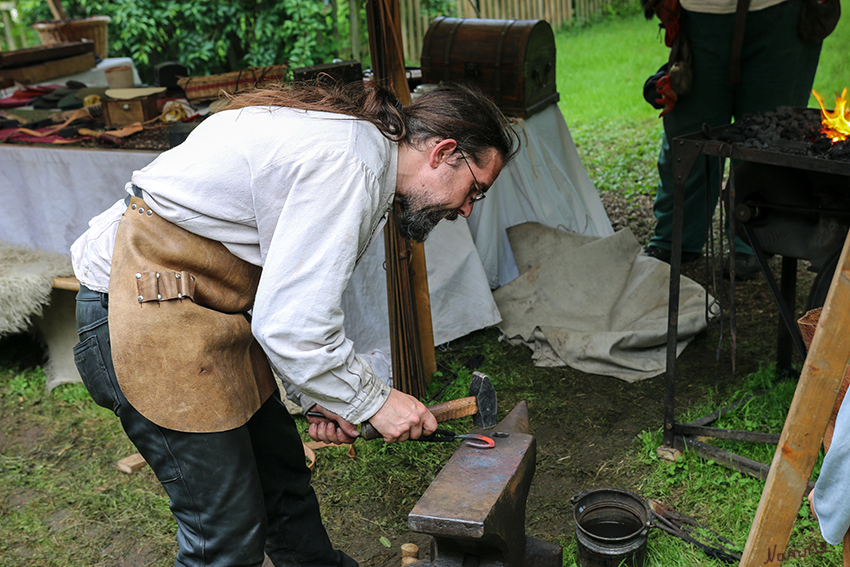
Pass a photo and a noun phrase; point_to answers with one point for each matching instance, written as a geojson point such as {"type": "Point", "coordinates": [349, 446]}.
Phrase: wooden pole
{"type": "Point", "coordinates": [5, 10]}
{"type": "Point", "coordinates": [354, 24]}
{"type": "Point", "coordinates": [57, 10]}
{"type": "Point", "coordinates": [411, 337]}
{"type": "Point", "coordinates": [817, 391]}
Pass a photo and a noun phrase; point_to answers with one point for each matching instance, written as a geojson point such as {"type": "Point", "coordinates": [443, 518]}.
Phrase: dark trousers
{"type": "Point", "coordinates": [777, 68]}
{"type": "Point", "coordinates": [234, 494]}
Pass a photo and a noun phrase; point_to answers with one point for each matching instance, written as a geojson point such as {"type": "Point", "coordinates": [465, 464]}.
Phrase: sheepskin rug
{"type": "Point", "coordinates": [26, 279]}
{"type": "Point", "coordinates": [27, 301]}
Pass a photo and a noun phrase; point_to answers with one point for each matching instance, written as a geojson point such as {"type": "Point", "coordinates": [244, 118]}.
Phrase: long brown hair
{"type": "Point", "coordinates": [450, 110]}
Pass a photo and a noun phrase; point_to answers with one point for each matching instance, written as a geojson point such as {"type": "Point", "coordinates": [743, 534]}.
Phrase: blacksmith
{"type": "Point", "coordinates": [228, 259]}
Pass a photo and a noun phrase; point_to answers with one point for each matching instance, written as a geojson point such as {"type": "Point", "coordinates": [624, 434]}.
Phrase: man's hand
{"type": "Point", "coordinates": [332, 428]}
{"type": "Point", "coordinates": [403, 417]}
{"type": "Point", "coordinates": [812, 504]}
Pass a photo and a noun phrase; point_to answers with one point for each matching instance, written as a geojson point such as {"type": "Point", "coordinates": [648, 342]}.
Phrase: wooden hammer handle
{"type": "Point", "coordinates": [445, 411]}
{"type": "Point", "coordinates": [454, 409]}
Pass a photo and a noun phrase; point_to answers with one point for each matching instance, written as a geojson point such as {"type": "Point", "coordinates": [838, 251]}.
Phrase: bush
{"type": "Point", "coordinates": [208, 36]}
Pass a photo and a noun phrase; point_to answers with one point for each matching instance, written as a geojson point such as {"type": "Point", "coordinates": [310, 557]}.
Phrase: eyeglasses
{"type": "Point", "coordinates": [479, 193]}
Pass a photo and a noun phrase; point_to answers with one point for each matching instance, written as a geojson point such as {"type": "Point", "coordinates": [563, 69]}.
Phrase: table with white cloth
{"type": "Point", "coordinates": [50, 193]}
{"type": "Point", "coordinates": [94, 77]}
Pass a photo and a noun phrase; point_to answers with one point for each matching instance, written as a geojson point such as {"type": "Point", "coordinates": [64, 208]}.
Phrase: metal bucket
{"type": "Point", "coordinates": [611, 528]}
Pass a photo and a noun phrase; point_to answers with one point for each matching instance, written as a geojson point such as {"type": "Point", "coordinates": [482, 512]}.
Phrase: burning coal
{"type": "Point", "coordinates": [798, 131]}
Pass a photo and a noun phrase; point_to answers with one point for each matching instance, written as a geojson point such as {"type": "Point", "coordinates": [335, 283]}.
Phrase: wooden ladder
{"type": "Point", "coordinates": [802, 435]}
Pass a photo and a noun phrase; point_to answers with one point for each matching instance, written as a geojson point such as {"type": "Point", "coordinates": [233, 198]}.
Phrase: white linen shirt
{"type": "Point", "coordinates": [302, 194]}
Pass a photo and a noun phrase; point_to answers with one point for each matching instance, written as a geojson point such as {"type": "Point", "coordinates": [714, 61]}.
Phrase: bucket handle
{"type": "Point", "coordinates": [576, 497]}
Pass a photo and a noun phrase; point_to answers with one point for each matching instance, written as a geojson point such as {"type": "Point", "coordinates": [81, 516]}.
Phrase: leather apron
{"type": "Point", "coordinates": [182, 345]}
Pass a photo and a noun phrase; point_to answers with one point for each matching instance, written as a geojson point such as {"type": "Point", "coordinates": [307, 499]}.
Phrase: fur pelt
{"type": "Point", "coordinates": [26, 279]}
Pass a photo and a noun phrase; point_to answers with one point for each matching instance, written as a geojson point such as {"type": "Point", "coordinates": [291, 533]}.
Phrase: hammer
{"type": "Point", "coordinates": [480, 404]}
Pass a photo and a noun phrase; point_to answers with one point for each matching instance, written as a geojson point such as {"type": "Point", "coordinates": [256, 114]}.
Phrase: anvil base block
{"type": "Point", "coordinates": [538, 553]}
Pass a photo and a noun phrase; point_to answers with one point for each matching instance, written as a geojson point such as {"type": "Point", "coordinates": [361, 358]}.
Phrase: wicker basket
{"type": "Point", "coordinates": [92, 29]}
{"type": "Point", "coordinates": [210, 87]}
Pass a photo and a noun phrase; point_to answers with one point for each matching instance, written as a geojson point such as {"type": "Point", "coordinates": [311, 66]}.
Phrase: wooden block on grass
{"type": "Point", "coordinates": [131, 464]}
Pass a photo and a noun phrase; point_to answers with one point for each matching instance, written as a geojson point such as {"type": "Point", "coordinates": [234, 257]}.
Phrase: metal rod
{"type": "Point", "coordinates": [684, 156]}
{"type": "Point", "coordinates": [785, 313]}
{"type": "Point", "coordinates": [733, 434]}
{"type": "Point", "coordinates": [715, 415]}
{"type": "Point", "coordinates": [784, 338]}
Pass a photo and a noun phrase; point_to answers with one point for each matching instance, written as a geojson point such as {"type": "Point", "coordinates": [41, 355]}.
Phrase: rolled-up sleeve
{"type": "Point", "coordinates": [328, 218]}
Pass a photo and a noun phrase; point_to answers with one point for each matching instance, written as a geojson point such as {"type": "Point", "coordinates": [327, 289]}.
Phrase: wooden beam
{"type": "Point", "coordinates": [69, 283]}
{"type": "Point", "coordinates": [817, 391]}
{"type": "Point", "coordinates": [354, 24]}
{"type": "Point", "coordinates": [385, 43]}
{"type": "Point", "coordinates": [57, 10]}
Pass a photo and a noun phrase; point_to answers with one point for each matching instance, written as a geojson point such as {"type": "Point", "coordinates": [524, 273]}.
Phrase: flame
{"type": "Point", "coordinates": [835, 124]}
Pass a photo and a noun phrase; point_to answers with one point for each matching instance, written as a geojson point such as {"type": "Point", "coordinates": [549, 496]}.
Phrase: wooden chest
{"type": "Point", "coordinates": [129, 111]}
{"type": "Point", "coordinates": [511, 60]}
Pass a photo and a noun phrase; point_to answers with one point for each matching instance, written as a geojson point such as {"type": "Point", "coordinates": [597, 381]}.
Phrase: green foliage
{"type": "Point", "coordinates": [26, 386]}
{"type": "Point", "coordinates": [207, 36]}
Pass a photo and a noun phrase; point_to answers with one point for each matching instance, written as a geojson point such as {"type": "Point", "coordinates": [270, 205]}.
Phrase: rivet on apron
{"type": "Point", "coordinates": [141, 299]}
{"type": "Point", "coordinates": [133, 206]}
{"type": "Point", "coordinates": [138, 276]}
{"type": "Point", "coordinates": [159, 297]}
{"type": "Point", "coordinates": [157, 275]}
{"type": "Point", "coordinates": [179, 295]}
{"type": "Point", "coordinates": [177, 276]}
{"type": "Point", "coordinates": [141, 210]}
{"type": "Point", "coordinates": [150, 212]}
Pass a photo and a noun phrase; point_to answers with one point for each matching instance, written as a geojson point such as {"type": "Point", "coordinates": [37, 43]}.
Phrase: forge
{"type": "Point", "coordinates": [789, 195]}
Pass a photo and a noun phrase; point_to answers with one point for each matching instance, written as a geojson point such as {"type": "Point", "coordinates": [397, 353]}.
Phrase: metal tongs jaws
{"type": "Point", "coordinates": [472, 439]}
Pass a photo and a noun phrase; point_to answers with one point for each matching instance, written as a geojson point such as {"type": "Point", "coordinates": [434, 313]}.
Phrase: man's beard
{"type": "Point", "coordinates": [416, 221]}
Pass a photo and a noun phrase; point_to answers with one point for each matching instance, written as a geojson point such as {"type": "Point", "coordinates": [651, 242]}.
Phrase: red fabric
{"type": "Point", "coordinates": [17, 135]}
{"type": "Point", "coordinates": [671, 32]}
{"type": "Point", "coordinates": [26, 95]}
{"type": "Point", "coordinates": [668, 12]}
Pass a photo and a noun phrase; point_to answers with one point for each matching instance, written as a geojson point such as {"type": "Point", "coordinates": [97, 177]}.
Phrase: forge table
{"type": "Point", "coordinates": [686, 151]}
{"type": "Point", "coordinates": [817, 388]}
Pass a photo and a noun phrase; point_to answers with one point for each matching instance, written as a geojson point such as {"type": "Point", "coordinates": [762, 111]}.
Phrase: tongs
{"type": "Point", "coordinates": [472, 439]}
{"type": "Point", "coordinates": [445, 436]}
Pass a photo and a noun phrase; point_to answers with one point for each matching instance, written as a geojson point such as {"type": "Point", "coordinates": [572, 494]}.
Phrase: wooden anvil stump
{"type": "Point", "coordinates": [475, 508]}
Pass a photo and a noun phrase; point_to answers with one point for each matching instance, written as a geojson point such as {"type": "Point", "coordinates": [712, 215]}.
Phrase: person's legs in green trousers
{"type": "Point", "coordinates": [777, 69]}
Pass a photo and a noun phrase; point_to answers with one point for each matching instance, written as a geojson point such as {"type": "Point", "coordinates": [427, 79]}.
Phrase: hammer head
{"type": "Point", "coordinates": [481, 388]}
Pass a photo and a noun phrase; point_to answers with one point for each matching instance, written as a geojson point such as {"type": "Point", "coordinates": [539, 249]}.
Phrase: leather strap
{"type": "Point", "coordinates": [738, 42]}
